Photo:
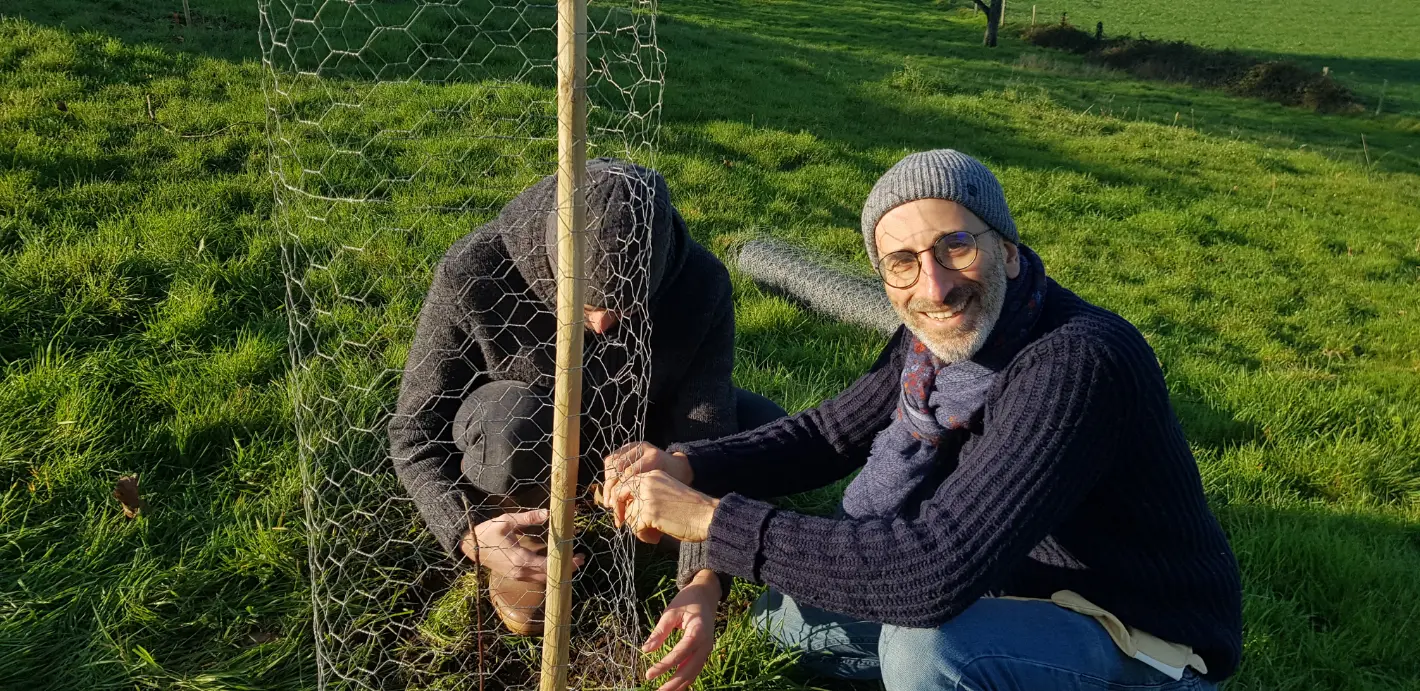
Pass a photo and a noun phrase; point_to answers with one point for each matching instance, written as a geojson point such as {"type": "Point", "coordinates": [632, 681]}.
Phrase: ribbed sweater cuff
{"type": "Point", "coordinates": [694, 558]}
{"type": "Point", "coordinates": [444, 513]}
{"type": "Point", "coordinates": [448, 522]}
{"type": "Point", "coordinates": [706, 463]}
{"type": "Point", "coordinates": [678, 447]}
{"type": "Point", "coordinates": [736, 536]}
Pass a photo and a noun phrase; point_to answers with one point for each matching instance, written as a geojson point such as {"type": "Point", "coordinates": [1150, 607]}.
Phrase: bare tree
{"type": "Point", "coordinates": [993, 20]}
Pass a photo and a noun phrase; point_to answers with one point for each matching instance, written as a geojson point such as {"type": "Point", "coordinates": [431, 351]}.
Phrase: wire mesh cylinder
{"type": "Point", "coordinates": [397, 130]}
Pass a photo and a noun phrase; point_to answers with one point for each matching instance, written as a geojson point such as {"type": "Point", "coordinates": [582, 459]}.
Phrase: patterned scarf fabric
{"type": "Point", "coordinates": [939, 401]}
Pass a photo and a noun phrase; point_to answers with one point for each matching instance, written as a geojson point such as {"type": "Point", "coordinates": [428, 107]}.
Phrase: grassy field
{"type": "Point", "coordinates": [1272, 260]}
{"type": "Point", "coordinates": [1368, 46]}
{"type": "Point", "coordinates": [1304, 27]}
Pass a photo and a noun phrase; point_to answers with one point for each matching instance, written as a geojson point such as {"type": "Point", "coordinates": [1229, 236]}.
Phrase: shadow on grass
{"type": "Point", "coordinates": [222, 29]}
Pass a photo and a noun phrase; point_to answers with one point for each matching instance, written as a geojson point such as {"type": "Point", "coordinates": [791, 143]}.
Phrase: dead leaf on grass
{"type": "Point", "coordinates": [126, 492]}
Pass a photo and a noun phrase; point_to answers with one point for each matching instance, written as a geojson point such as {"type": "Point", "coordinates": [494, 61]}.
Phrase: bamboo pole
{"type": "Point", "coordinates": [567, 394]}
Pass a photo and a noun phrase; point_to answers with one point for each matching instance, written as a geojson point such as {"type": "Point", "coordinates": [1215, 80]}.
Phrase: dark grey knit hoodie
{"type": "Point", "coordinates": [489, 316]}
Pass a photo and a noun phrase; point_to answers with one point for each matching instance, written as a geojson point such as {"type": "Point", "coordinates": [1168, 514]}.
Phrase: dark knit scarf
{"type": "Point", "coordinates": [939, 401]}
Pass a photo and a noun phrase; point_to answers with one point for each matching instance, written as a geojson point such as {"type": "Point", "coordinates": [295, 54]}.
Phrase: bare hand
{"type": "Point", "coordinates": [654, 503]}
{"type": "Point", "coordinates": [692, 611]}
{"type": "Point", "coordinates": [642, 457]}
{"type": "Point", "coordinates": [505, 547]}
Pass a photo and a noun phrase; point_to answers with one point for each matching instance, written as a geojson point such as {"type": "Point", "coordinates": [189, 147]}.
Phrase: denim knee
{"type": "Point", "coordinates": [1005, 643]}
{"type": "Point", "coordinates": [827, 643]}
{"type": "Point", "coordinates": [914, 659]}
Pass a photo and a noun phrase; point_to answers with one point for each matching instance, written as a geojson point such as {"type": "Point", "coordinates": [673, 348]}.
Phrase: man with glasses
{"type": "Point", "coordinates": [1028, 514]}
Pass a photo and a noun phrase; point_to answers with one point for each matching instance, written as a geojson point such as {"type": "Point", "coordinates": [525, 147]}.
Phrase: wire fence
{"type": "Point", "coordinates": [397, 128]}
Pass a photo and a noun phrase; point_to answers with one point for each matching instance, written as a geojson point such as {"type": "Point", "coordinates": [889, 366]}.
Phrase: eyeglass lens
{"type": "Point", "coordinates": [955, 251]}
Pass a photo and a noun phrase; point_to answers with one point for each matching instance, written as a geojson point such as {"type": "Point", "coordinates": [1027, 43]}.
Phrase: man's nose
{"type": "Point", "coordinates": [936, 282]}
{"type": "Point", "coordinates": [601, 321]}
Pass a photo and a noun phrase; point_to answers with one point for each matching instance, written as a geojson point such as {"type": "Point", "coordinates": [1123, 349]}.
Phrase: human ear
{"type": "Point", "coordinates": [1013, 259]}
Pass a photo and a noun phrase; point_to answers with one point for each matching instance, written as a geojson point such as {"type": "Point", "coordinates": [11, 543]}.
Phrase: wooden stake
{"type": "Point", "coordinates": [1367, 151]}
{"type": "Point", "coordinates": [186, 14]}
{"type": "Point", "coordinates": [567, 393]}
{"type": "Point", "coordinates": [1032, 15]}
{"type": "Point", "coordinates": [477, 589]}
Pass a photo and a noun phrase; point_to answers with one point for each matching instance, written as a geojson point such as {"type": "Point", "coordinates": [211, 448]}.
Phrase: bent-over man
{"type": "Point", "coordinates": [474, 412]}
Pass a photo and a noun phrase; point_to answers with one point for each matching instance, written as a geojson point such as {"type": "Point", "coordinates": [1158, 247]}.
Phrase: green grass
{"type": "Point", "coordinates": [1368, 46]}
{"type": "Point", "coordinates": [1377, 30]}
{"type": "Point", "coordinates": [1271, 260]}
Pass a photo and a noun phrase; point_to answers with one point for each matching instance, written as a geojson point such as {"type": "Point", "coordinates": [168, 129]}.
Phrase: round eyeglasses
{"type": "Point", "coordinates": [955, 251]}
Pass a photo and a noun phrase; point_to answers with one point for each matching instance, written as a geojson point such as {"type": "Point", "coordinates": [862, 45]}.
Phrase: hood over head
{"type": "Point", "coordinates": [636, 241]}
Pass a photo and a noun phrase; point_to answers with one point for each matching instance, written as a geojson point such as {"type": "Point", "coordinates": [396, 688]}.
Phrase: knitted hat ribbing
{"type": "Point", "coordinates": [939, 174]}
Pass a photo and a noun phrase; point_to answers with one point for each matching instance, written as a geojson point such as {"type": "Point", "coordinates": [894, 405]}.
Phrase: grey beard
{"type": "Point", "coordinates": [963, 346]}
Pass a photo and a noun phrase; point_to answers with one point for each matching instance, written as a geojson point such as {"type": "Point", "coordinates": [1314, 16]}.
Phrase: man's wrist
{"type": "Point", "coordinates": [706, 578]}
{"type": "Point", "coordinates": [709, 518]}
{"type": "Point", "coordinates": [688, 471]}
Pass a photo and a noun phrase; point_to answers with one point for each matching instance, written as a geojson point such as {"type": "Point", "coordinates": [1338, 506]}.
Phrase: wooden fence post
{"type": "Point", "coordinates": [567, 389]}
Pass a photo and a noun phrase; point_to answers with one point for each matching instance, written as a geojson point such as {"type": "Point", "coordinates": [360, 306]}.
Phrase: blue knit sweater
{"type": "Point", "coordinates": [1077, 476]}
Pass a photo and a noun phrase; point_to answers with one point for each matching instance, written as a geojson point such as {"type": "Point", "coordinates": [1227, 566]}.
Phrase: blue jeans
{"type": "Point", "coordinates": [993, 644]}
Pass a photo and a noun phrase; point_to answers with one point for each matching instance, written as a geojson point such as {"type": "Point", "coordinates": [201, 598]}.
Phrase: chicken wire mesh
{"type": "Point", "coordinates": [396, 129]}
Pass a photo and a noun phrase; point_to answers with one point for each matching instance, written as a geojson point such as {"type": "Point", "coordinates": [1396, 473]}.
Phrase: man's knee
{"type": "Point", "coordinates": [769, 614]}
{"type": "Point", "coordinates": [827, 643]}
{"type": "Point", "coordinates": [1004, 643]}
{"type": "Point", "coordinates": [753, 410]}
{"type": "Point", "coordinates": [964, 653]}
{"type": "Point", "coordinates": [502, 429]}
{"type": "Point", "coordinates": [915, 659]}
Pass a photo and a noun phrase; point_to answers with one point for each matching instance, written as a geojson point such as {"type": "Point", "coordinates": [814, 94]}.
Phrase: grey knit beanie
{"type": "Point", "coordinates": [940, 174]}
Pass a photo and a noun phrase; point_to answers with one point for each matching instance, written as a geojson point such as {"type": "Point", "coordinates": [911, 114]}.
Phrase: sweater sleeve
{"type": "Point", "coordinates": [805, 451]}
{"type": "Point", "coordinates": [1044, 445]}
{"type": "Point", "coordinates": [444, 364]}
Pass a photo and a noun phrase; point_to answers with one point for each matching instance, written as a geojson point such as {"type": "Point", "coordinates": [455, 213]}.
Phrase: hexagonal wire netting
{"type": "Point", "coordinates": [396, 128]}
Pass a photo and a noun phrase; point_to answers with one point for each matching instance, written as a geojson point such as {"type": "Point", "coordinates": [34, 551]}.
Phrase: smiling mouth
{"type": "Point", "coordinates": [941, 316]}
{"type": "Point", "coordinates": [946, 314]}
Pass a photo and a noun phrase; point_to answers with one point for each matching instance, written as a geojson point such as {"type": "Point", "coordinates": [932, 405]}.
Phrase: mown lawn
{"type": "Point", "coordinates": [1271, 259]}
